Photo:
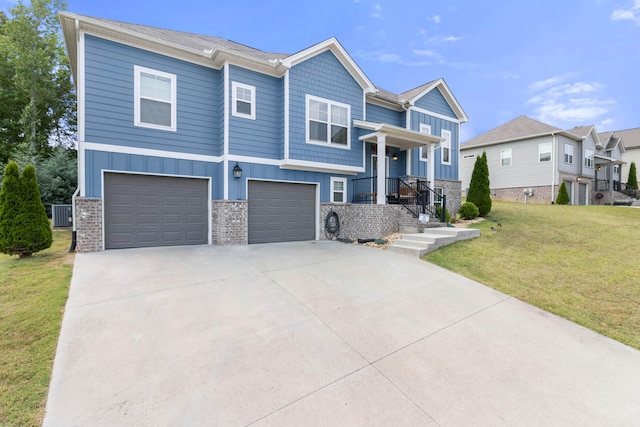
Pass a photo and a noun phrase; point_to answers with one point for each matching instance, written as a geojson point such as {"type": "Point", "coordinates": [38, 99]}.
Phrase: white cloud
{"type": "Point", "coordinates": [423, 52]}
{"type": "Point", "coordinates": [436, 19]}
{"type": "Point", "coordinates": [389, 57]}
{"type": "Point", "coordinates": [632, 14]}
{"type": "Point", "coordinates": [444, 39]}
{"type": "Point", "coordinates": [578, 103]}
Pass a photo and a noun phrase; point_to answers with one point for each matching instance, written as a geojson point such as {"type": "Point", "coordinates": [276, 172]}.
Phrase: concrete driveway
{"type": "Point", "coordinates": [320, 333]}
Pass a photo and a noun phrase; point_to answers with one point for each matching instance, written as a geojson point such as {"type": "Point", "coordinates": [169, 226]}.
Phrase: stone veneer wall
{"type": "Point", "coordinates": [88, 218]}
{"type": "Point", "coordinates": [453, 191]}
{"type": "Point", "coordinates": [229, 222]}
{"type": "Point", "coordinates": [541, 194]}
{"type": "Point", "coordinates": [366, 221]}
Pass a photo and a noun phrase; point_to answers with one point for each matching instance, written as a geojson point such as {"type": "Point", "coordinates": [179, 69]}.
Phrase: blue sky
{"type": "Point", "coordinates": [564, 62]}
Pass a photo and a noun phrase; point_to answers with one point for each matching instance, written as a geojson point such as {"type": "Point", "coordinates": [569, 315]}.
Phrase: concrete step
{"type": "Point", "coordinates": [419, 244]}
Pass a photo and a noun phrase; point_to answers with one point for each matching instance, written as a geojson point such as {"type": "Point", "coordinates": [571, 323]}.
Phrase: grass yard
{"type": "Point", "coordinates": [579, 262]}
{"type": "Point", "coordinates": [33, 292]}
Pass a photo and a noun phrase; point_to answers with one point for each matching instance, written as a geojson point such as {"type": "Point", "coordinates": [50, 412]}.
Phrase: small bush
{"type": "Point", "coordinates": [563, 195]}
{"type": "Point", "coordinates": [439, 213]}
{"type": "Point", "coordinates": [468, 211]}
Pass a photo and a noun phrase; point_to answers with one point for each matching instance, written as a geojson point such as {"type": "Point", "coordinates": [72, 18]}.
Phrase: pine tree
{"type": "Point", "coordinates": [479, 188]}
{"type": "Point", "coordinates": [563, 195]}
{"type": "Point", "coordinates": [24, 226]}
{"type": "Point", "coordinates": [633, 179]}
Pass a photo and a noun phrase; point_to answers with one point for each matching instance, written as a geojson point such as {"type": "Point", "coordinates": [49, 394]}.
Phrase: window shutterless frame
{"type": "Point", "coordinates": [328, 122]}
{"type": "Point", "coordinates": [445, 147]}
{"type": "Point", "coordinates": [244, 100]}
{"type": "Point", "coordinates": [424, 151]}
{"type": "Point", "coordinates": [338, 190]}
{"type": "Point", "coordinates": [155, 99]}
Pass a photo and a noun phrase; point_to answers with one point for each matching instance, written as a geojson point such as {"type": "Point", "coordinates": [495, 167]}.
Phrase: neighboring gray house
{"type": "Point", "coordinates": [631, 140]}
{"type": "Point", "coordinates": [193, 139]}
{"type": "Point", "coordinates": [528, 160]}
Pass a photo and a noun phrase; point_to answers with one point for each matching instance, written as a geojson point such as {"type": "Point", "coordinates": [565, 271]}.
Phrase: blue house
{"type": "Point", "coordinates": [191, 139]}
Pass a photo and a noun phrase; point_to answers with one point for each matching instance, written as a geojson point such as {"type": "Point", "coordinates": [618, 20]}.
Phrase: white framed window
{"type": "Point", "coordinates": [244, 100]}
{"type": "Point", "coordinates": [588, 158]}
{"type": "Point", "coordinates": [338, 190]}
{"type": "Point", "coordinates": [616, 169]}
{"type": "Point", "coordinates": [568, 153]}
{"type": "Point", "coordinates": [544, 152]}
{"type": "Point", "coordinates": [445, 147]}
{"type": "Point", "coordinates": [505, 157]}
{"type": "Point", "coordinates": [437, 198]}
{"type": "Point", "coordinates": [328, 122]}
{"type": "Point", "coordinates": [424, 151]}
{"type": "Point", "coordinates": [154, 99]}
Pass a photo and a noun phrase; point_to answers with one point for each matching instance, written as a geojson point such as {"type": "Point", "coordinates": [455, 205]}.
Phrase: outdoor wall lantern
{"type": "Point", "coordinates": [395, 156]}
{"type": "Point", "coordinates": [237, 171]}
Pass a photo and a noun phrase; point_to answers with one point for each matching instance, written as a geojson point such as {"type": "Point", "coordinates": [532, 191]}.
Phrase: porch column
{"type": "Point", "coordinates": [431, 167]}
{"type": "Point", "coordinates": [381, 184]}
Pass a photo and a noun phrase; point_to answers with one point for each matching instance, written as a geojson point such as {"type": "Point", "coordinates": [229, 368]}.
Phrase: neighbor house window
{"type": "Point", "coordinates": [505, 157]}
{"type": "Point", "coordinates": [328, 122]}
{"type": "Point", "coordinates": [338, 190]}
{"type": "Point", "coordinates": [154, 99]}
{"type": "Point", "coordinates": [445, 146]}
{"type": "Point", "coordinates": [588, 158]}
{"type": "Point", "coordinates": [424, 151]}
{"type": "Point", "coordinates": [616, 169]}
{"type": "Point", "coordinates": [244, 100]}
{"type": "Point", "coordinates": [568, 153]}
{"type": "Point", "coordinates": [544, 152]}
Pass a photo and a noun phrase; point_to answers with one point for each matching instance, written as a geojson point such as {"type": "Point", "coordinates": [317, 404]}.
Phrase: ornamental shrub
{"type": "Point", "coordinates": [439, 214]}
{"type": "Point", "coordinates": [563, 195]}
{"type": "Point", "coordinates": [633, 178]}
{"type": "Point", "coordinates": [479, 188]}
{"type": "Point", "coordinates": [468, 210]}
{"type": "Point", "coordinates": [24, 226]}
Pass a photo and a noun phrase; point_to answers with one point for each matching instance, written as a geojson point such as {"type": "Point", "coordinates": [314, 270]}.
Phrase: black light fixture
{"type": "Point", "coordinates": [395, 156]}
{"type": "Point", "coordinates": [237, 171]}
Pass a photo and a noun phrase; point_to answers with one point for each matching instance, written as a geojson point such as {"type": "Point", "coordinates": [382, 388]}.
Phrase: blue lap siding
{"type": "Point", "coordinates": [441, 171]}
{"type": "Point", "coordinates": [435, 102]}
{"type": "Point", "coordinates": [109, 100]}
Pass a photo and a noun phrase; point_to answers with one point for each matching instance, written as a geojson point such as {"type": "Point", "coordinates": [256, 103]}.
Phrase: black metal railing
{"type": "Point", "coordinates": [415, 196]}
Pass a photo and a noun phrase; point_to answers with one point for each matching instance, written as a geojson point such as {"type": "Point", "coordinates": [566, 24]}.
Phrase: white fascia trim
{"type": "Point", "coordinates": [81, 115]}
{"type": "Point", "coordinates": [431, 113]}
{"type": "Point", "coordinates": [110, 148]}
{"type": "Point", "coordinates": [286, 114]}
{"type": "Point", "coordinates": [254, 160]}
{"type": "Point", "coordinates": [336, 48]}
{"type": "Point", "coordinates": [225, 149]}
{"type": "Point", "coordinates": [321, 167]}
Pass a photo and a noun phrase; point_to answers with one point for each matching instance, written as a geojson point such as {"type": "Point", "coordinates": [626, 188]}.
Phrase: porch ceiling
{"type": "Point", "coordinates": [395, 136]}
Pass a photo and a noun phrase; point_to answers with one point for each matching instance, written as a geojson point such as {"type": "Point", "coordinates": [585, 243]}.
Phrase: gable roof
{"type": "Point", "coordinates": [611, 140]}
{"type": "Point", "coordinates": [630, 137]}
{"type": "Point", "coordinates": [521, 127]}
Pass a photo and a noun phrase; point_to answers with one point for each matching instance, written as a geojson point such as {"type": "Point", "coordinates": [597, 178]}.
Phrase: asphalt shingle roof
{"type": "Point", "coordinates": [630, 137]}
{"type": "Point", "coordinates": [519, 128]}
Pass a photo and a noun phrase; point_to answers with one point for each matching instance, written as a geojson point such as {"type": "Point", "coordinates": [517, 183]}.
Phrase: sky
{"type": "Point", "coordinates": [564, 62]}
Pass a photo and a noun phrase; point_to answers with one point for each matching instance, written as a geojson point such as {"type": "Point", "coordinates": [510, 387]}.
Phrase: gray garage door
{"type": "Point", "coordinates": [147, 210]}
{"type": "Point", "coordinates": [281, 212]}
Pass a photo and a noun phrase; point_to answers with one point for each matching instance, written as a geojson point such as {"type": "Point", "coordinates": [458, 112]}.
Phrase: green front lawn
{"type": "Point", "coordinates": [579, 262]}
{"type": "Point", "coordinates": [33, 292]}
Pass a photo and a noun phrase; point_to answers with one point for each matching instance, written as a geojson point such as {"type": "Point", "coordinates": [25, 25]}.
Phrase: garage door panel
{"type": "Point", "coordinates": [280, 212]}
{"type": "Point", "coordinates": [147, 210]}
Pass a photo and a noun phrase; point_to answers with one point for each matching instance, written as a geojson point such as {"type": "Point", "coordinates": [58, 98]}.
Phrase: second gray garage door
{"type": "Point", "coordinates": [281, 212]}
{"type": "Point", "coordinates": [149, 210]}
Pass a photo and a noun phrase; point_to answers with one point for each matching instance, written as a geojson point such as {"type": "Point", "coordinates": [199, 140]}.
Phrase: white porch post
{"type": "Point", "coordinates": [431, 167]}
{"type": "Point", "coordinates": [381, 198]}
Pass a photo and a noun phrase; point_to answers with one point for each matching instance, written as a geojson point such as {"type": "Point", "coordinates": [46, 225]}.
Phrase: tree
{"type": "Point", "coordinates": [479, 188]}
{"type": "Point", "coordinates": [632, 181]}
{"type": "Point", "coordinates": [563, 195]}
{"type": "Point", "coordinates": [24, 226]}
{"type": "Point", "coordinates": [36, 94]}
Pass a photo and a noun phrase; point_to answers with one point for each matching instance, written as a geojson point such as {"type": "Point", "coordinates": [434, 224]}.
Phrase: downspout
{"type": "Point", "coordinates": [73, 221]}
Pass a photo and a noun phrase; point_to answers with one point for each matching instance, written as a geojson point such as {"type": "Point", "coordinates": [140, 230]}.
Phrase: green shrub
{"type": "Point", "coordinates": [633, 179]}
{"type": "Point", "coordinates": [563, 195]}
{"type": "Point", "coordinates": [468, 211]}
{"type": "Point", "coordinates": [479, 188]}
{"type": "Point", "coordinates": [24, 226]}
{"type": "Point", "coordinates": [439, 214]}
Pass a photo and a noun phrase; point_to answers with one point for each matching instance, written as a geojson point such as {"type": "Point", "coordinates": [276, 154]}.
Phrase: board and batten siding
{"type": "Point", "coordinates": [109, 100]}
{"type": "Point", "coordinates": [378, 114]}
{"type": "Point", "coordinates": [441, 171]}
{"type": "Point", "coordinates": [257, 171]}
{"type": "Point", "coordinates": [323, 76]}
{"type": "Point", "coordinates": [525, 169]}
{"type": "Point", "coordinates": [262, 137]}
{"type": "Point", "coordinates": [97, 161]}
{"type": "Point", "coordinates": [434, 101]}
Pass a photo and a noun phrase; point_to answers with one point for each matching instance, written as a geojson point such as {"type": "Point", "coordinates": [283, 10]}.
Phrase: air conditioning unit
{"type": "Point", "coordinates": [62, 215]}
